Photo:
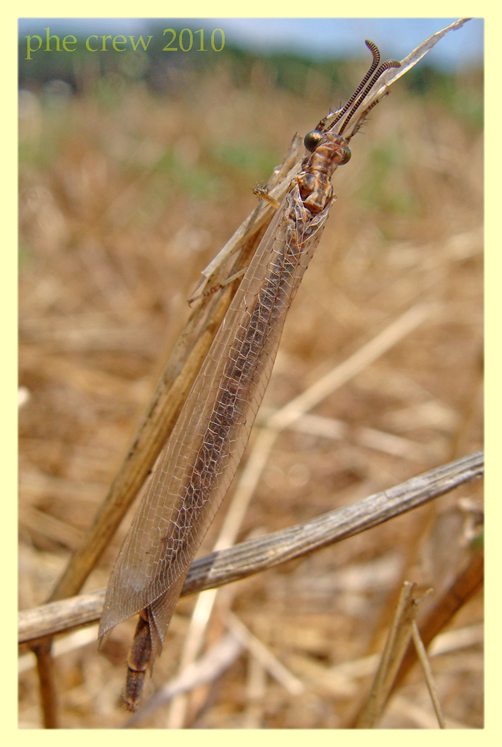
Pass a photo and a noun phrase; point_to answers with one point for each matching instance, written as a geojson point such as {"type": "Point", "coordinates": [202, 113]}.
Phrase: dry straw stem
{"type": "Point", "coordinates": [466, 584]}
{"type": "Point", "coordinates": [256, 555]}
{"type": "Point", "coordinates": [404, 628]}
{"type": "Point", "coordinates": [264, 656]}
{"type": "Point", "coordinates": [397, 642]}
{"type": "Point", "coordinates": [424, 661]}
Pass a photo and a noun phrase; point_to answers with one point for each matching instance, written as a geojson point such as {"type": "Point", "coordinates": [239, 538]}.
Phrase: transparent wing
{"type": "Point", "coordinates": [192, 475]}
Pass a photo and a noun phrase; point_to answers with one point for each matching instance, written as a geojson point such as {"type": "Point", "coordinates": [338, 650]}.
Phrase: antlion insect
{"type": "Point", "coordinates": [199, 461]}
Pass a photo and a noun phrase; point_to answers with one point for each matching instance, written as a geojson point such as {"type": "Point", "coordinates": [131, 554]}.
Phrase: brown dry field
{"type": "Point", "coordinates": [125, 197]}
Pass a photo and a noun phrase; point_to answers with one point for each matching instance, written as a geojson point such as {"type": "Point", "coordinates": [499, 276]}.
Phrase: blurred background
{"type": "Point", "coordinates": [135, 168]}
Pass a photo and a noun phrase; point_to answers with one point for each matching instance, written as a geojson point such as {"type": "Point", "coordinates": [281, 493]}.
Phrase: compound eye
{"type": "Point", "coordinates": [345, 155]}
{"type": "Point", "coordinates": [312, 140]}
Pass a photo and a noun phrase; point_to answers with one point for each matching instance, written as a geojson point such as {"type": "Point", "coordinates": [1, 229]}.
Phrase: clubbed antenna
{"type": "Point", "coordinates": [376, 59]}
{"type": "Point", "coordinates": [385, 66]}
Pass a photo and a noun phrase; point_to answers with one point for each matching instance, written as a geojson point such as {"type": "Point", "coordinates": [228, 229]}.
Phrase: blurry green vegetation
{"type": "Point", "coordinates": [24, 255]}
{"type": "Point", "coordinates": [241, 158]}
{"type": "Point", "coordinates": [196, 181]}
{"type": "Point", "coordinates": [44, 150]}
{"type": "Point", "coordinates": [463, 95]}
{"type": "Point", "coordinates": [384, 186]}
